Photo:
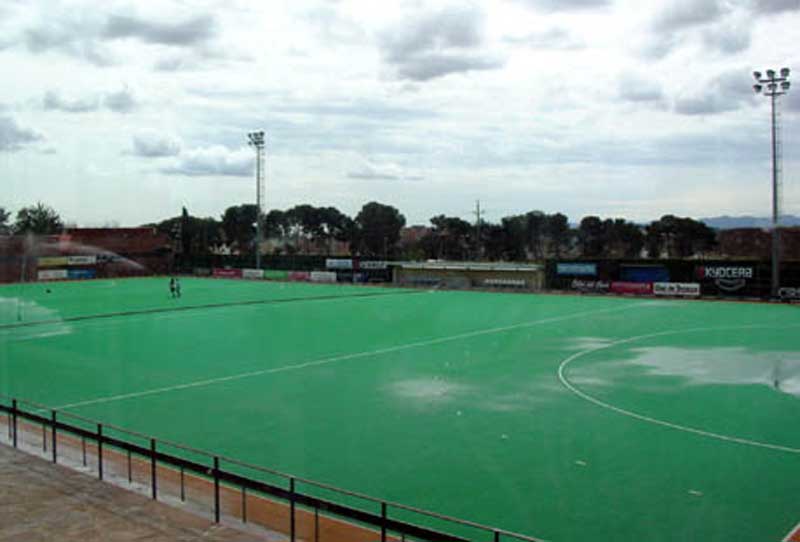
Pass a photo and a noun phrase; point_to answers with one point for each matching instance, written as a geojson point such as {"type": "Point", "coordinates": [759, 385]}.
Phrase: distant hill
{"type": "Point", "coordinates": [730, 222]}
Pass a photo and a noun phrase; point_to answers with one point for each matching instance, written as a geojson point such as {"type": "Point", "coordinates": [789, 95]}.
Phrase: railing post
{"type": "Point", "coordinates": [291, 509]}
{"type": "Point", "coordinates": [216, 489]}
{"type": "Point", "coordinates": [497, 536]}
{"type": "Point", "coordinates": [53, 437]}
{"type": "Point", "coordinates": [244, 504]}
{"type": "Point", "coordinates": [183, 491]}
{"type": "Point", "coordinates": [130, 468]}
{"type": "Point", "coordinates": [100, 450]}
{"type": "Point", "coordinates": [383, 522]}
{"type": "Point", "coordinates": [14, 416]}
{"type": "Point", "coordinates": [44, 438]}
{"type": "Point", "coordinates": [83, 450]}
{"type": "Point", "coordinates": [153, 468]}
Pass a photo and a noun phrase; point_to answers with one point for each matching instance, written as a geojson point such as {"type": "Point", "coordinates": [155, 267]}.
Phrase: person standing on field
{"type": "Point", "coordinates": [172, 286]}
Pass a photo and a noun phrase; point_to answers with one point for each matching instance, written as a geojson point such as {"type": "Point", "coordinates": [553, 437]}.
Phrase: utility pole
{"type": "Point", "coordinates": [773, 86]}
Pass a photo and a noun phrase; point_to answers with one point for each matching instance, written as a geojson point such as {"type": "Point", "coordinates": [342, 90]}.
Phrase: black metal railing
{"type": "Point", "coordinates": [288, 504]}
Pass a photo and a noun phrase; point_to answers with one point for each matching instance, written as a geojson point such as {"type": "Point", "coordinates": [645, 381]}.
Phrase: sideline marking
{"type": "Point", "coordinates": [344, 357]}
{"type": "Point", "coordinates": [656, 421]}
{"type": "Point", "coordinates": [794, 534]}
{"type": "Point", "coordinates": [181, 308]}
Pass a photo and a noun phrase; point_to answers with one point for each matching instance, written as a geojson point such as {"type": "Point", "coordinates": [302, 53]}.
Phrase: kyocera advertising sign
{"type": "Point", "coordinates": [728, 279]}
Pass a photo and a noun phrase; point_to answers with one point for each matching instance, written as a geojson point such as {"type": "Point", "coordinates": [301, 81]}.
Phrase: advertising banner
{"type": "Point", "coordinates": [53, 261]}
{"type": "Point", "coordinates": [594, 286]}
{"type": "Point", "coordinates": [634, 288]}
{"type": "Point", "coordinates": [727, 279]}
{"type": "Point", "coordinates": [81, 260]}
{"type": "Point", "coordinates": [334, 263]}
{"type": "Point", "coordinates": [109, 257]}
{"type": "Point", "coordinates": [252, 274]}
{"type": "Point", "coordinates": [323, 276]}
{"type": "Point", "coordinates": [577, 269]}
{"type": "Point", "coordinates": [787, 292]}
{"type": "Point", "coordinates": [373, 265]}
{"type": "Point", "coordinates": [227, 273]}
{"type": "Point", "coordinates": [677, 289]}
{"type": "Point", "coordinates": [52, 274]}
{"type": "Point", "coordinates": [81, 274]}
{"type": "Point", "coordinates": [301, 276]}
{"type": "Point", "coordinates": [505, 283]}
{"type": "Point", "coordinates": [644, 273]}
{"type": "Point", "coordinates": [201, 271]}
{"type": "Point", "coordinates": [274, 274]}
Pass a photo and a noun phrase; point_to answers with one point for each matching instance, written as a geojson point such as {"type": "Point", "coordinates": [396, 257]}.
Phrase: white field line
{"type": "Point", "coordinates": [791, 534]}
{"type": "Point", "coordinates": [708, 434]}
{"type": "Point", "coordinates": [344, 357]}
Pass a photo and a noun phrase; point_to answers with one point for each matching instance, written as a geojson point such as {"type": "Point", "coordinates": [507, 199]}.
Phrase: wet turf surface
{"type": "Point", "coordinates": [447, 400]}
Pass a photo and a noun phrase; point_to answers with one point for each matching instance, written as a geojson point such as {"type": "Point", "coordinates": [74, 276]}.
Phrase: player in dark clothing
{"type": "Point", "coordinates": [172, 286]}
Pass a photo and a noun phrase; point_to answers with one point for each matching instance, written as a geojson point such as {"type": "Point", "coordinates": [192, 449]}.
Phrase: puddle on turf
{"type": "Point", "coordinates": [732, 366]}
{"type": "Point", "coordinates": [427, 389]}
{"type": "Point", "coordinates": [13, 311]}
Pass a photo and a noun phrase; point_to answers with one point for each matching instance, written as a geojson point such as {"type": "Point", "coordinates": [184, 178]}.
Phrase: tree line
{"type": "Point", "coordinates": [378, 231]}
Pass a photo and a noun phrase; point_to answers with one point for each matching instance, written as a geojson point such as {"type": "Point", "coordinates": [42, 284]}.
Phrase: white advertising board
{"type": "Point", "coordinates": [323, 276]}
{"type": "Point", "coordinates": [52, 274]}
{"type": "Point", "coordinates": [677, 289]}
{"type": "Point", "coordinates": [252, 274]}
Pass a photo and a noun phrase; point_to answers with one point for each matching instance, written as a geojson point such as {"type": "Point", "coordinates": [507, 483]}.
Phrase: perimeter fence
{"type": "Point", "coordinates": [226, 489]}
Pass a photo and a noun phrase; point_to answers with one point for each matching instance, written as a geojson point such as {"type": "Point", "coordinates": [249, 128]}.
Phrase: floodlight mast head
{"type": "Point", "coordinates": [757, 88]}
{"type": "Point", "coordinates": [771, 74]}
{"type": "Point", "coordinates": [256, 139]}
{"type": "Point", "coordinates": [785, 72]}
{"type": "Point", "coordinates": [757, 75]}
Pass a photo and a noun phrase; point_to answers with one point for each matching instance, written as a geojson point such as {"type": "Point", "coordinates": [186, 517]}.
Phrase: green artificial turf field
{"type": "Point", "coordinates": [563, 417]}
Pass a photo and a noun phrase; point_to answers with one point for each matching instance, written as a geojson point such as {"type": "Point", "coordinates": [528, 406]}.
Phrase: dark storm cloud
{"type": "Point", "coordinates": [155, 146]}
{"type": "Point", "coordinates": [640, 90]}
{"type": "Point", "coordinates": [372, 176]}
{"type": "Point", "coordinates": [728, 39]}
{"type": "Point", "coordinates": [214, 161]}
{"type": "Point", "coordinates": [52, 101]}
{"type": "Point", "coordinates": [775, 6]}
{"type": "Point", "coordinates": [13, 137]}
{"type": "Point", "coordinates": [728, 91]}
{"type": "Point", "coordinates": [720, 24]}
{"type": "Point", "coordinates": [792, 100]}
{"type": "Point", "coordinates": [71, 37]}
{"type": "Point", "coordinates": [566, 5]}
{"type": "Point", "coordinates": [190, 32]}
{"type": "Point", "coordinates": [437, 43]}
{"type": "Point", "coordinates": [86, 37]}
{"type": "Point", "coordinates": [686, 13]}
{"type": "Point", "coordinates": [121, 101]}
{"type": "Point", "coordinates": [433, 65]}
{"type": "Point", "coordinates": [553, 38]}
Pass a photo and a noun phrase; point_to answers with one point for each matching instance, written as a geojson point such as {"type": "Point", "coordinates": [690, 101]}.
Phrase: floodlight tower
{"type": "Point", "coordinates": [774, 86]}
{"type": "Point", "coordinates": [256, 140]}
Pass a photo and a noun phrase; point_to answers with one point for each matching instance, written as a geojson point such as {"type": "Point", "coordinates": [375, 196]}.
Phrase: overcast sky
{"type": "Point", "coordinates": [127, 111]}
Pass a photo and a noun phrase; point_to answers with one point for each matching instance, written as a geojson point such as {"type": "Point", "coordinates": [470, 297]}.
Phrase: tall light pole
{"type": "Point", "coordinates": [773, 86]}
{"type": "Point", "coordinates": [256, 140]}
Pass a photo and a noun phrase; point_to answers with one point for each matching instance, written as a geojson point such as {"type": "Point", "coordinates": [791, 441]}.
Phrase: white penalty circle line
{"type": "Point", "coordinates": [344, 357]}
{"type": "Point", "coordinates": [656, 421]}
